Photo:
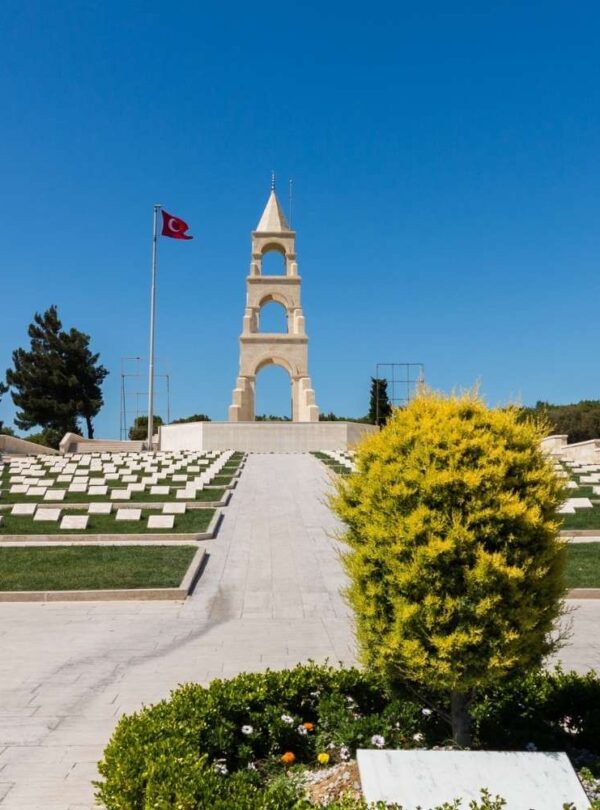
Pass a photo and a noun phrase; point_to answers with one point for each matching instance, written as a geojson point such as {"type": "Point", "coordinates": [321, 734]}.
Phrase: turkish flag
{"type": "Point", "coordinates": [174, 227]}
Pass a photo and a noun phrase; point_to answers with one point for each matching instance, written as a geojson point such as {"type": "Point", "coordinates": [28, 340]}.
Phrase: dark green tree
{"type": "Point", "coordinates": [139, 430]}
{"type": "Point", "coordinates": [57, 381]}
{"type": "Point", "coordinates": [197, 417]}
{"type": "Point", "coordinates": [380, 407]}
{"type": "Point", "coordinates": [3, 390]}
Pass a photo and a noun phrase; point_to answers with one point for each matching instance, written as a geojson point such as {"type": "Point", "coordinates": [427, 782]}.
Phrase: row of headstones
{"type": "Point", "coordinates": [66, 470]}
{"type": "Point", "coordinates": [41, 487]}
{"type": "Point", "coordinates": [166, 520]}
{"type": "Point", "coordinates": [343, 457]}
{"type": "Point", "coordinates": [587, 473]}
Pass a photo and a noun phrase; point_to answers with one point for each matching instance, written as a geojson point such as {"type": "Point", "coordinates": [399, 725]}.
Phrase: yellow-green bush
{"type": "Point", "coordinates": [456, 572]}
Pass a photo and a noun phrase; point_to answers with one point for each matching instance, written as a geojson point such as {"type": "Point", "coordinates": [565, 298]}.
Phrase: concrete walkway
{"type": "Point", "coordinates": [268, 598]}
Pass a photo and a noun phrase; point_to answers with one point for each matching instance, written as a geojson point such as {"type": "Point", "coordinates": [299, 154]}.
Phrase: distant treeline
{"type": "Point", "coordinates": [579, 421]}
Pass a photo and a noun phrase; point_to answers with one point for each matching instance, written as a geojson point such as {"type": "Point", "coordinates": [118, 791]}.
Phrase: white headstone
{"type": "Point", "coordinates": [102, 508]}
{"type": "Point", "coordinates": [120, 495]}
{"type": "Point", "coordinates": [416, 778]}
{"type": "Point", "coordinates": [37, 492]}
{"type": "Point", "coordinates": [74, 522]}
{"type": "Point", "coordinates": [97, 489]}
{"type": "Point", "coordinates": [18, 489]}
{"type": "Point", "coordinates": [24, 509]}
{"type": "Point", "coordinates": [45, 513]}
{"type": "Point", "coordinates": [55, 494]}
{"type": "Point", "coordinates": [161, 521]}
{"type": "Point", "coordinates": [128, 514]}
{"type": "Point", "coordinates": [174, 509]}
{"type": "Point", "coordinates": [158, 489]}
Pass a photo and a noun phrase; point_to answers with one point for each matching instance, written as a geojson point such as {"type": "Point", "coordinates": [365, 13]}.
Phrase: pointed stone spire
{"type": "Point", "coordinates": [273, 219]}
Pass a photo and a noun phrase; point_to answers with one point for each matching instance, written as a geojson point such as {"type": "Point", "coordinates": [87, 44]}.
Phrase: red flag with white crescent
{"type": "Point", "coordinates": [174, 227]}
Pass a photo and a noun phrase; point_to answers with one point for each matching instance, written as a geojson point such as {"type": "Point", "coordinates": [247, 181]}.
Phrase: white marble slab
{"type": "Point", "coordinates": [417, 778]}
{"type": "Point", "coordinates": [55, 494]}
{"type": "Point", "coordinates": [159, 489]}
{"type": "Point", "coordinates": [128, 514]}
{"type": "Point", "coordinates": [97, 489]}
{"type": "Point", "coordinates": [37, 492]}
{"type": "Point", "coordinates": [77, 487]}
{"type": "Point", "coordinates": [161, 521]}
{"type": "Point", "coordinates": [579, 503]}
{"type": "Point", "coordinates": [46, 513]}
{"type": "Point", "coordinates": [100, 508]}
{"type": "Point", "coordinates": [174, 509]}
{"type": "Point", "coordinates": [19, 489]}
{"type": "Point", "coordinates": [74, 522]}
{"type": "Point", "coordinates": [120, 495]}
{"type": "Point", "coordinates": [24, 509]}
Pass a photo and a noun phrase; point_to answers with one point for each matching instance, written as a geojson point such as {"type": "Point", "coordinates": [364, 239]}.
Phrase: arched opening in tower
{"type": "Point", "coordinates": [273, 395]}
{"type": "Point", "coordinates": [272, 318]}
{"type": "Point", "coordinates": [273, 263]}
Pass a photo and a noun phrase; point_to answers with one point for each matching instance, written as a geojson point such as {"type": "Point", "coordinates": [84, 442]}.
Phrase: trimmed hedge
{"type": "Point", "coordinates": [221, 746]}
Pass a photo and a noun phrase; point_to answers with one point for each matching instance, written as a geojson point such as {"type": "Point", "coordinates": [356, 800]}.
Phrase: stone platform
{"type": "Point", "coordinates": [263, 437]}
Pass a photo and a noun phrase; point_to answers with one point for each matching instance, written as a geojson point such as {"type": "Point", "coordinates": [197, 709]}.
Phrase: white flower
{"type": "Point", "coordinates": [426, 712]}
{"type": "Point", "coordinates": [247, 729]}
{"type": "Point", "coordinates": [344, 753]}
{"type": "Point", "coordinates": [220, 767]}
{"type": "Point", "coordinates": [301, 730]}
{"type": "Point", "coordinates": [418, 737]}
{"type": "Point", "coordinates": [287, 719]}
{"type": "Point", "coordinates": [377, 740]}
{"type": "Point", "coordinates": [251, 766]}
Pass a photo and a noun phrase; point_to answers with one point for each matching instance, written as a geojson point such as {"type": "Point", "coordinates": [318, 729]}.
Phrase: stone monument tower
{"type": "Point", "coordinates": [259, 349]}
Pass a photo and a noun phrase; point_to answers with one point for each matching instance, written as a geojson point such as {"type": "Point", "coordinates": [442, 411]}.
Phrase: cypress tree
{"type": "Point", "coordinates": [380, 407]}
{"type": "Point", "coordinates": [57, 381]}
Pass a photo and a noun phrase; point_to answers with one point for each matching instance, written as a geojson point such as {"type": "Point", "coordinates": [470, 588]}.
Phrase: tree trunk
{"type": "Point", "coordinates": [461, 719]}
{"type": "Point", "coordinates": [90, 427]}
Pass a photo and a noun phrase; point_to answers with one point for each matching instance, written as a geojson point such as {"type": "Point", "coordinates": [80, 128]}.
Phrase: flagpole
{"type": "Point", "coordinates": [152, 318]}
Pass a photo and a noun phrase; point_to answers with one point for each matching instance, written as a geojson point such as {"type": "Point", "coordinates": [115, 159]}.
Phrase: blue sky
{"type": "Point", "coordinates": [446, 172]}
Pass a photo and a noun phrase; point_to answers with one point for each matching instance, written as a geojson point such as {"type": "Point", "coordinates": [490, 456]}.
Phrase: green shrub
{"type": "Point", "coordinates": [191, 752]}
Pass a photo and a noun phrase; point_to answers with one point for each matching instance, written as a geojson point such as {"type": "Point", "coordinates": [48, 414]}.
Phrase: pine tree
{"type": "Point", "coordinates": [455, 568]}
{"type": "Point", "coordinates": [57, 381]}
{"type": "Point", "coordinates": [3, 390]}
{"type": "Point", "coordinates": [380, 407]}
{"type": "Point", "coordinates": [139, 430]}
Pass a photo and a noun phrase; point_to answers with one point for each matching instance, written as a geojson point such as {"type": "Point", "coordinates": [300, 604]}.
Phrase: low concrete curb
{"type": "Point", "coordinates": [584, 593]}
{"type": "Point", "coordinates": [566, 533]}
{"type": "Point", "coordinates": [117, 594]}
{"type": "Point", "coordinates": [121, 539]}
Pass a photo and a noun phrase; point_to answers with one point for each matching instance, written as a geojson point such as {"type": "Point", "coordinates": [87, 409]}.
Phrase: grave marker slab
{"type": "Point", "coordinates": [24, 509]}
{"type": "Point", "coordinates": [174, 509]}
{"type": "Point", "coordinates": [74, 522]}
{"type": "Point", "coordinates": [97, 489]}
{"type": "Point", "coordinates": [161, 521]}
{"type": "Point", "coordinates": [99, 508]}
{"type": "Point", "coordinates": [55, 494]}
{"type": "Point", "coordinates": [128, 514]}
{"type": "Point", "coordinates": [120, 495]}
{"type": "Point", "coordinates": [44, 513]}
{"type": "Point", "coordinates": [416, 778]}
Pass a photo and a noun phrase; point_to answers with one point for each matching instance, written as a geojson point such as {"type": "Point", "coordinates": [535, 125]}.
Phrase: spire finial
{"type": "Point", "coordinates": [273, 180]}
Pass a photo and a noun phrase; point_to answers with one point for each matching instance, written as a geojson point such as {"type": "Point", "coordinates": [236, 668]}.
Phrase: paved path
{"type": "Point", "coordinates": [268, 598]}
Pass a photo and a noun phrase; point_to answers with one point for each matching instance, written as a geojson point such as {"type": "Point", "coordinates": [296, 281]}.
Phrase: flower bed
{"type": "Point", "coordinates": [236, 743]}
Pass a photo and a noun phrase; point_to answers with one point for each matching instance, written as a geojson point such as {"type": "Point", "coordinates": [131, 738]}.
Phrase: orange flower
{"type": "Point", "coordinates": [308, 726]}
{"type": "Point", "coordinates": [288, 758]}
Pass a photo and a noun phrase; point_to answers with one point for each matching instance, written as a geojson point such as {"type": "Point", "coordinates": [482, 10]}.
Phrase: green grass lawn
{"type": "Point", "coordinates": [194, 520]}
{"type": "Point", "coordinates": [202, 496]}
{"type": "Point", "coordinates": [583, 565]}
{"type": "Point", "coordinates": [338, 468]}
{"type": "Point", "coordinates": [583, 519]}
{"type": "Point", "coordinates": [78, 568]}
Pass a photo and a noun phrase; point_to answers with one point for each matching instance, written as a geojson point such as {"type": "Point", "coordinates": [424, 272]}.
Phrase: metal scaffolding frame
{"type": "Point", "coordinates": [402, 379]}
{"type": "Point", "coordinates": [127, 412]}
